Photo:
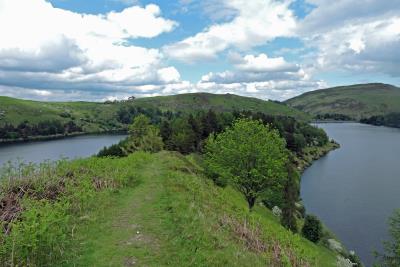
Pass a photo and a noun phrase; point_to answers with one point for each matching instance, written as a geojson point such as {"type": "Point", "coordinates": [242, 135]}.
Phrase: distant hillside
{"type": "Point", "coordinates": [92, 116]}
{"type": "Point", "coordinates": [355, 101]}
{"type": "Point", "coordinates": [217, 102]}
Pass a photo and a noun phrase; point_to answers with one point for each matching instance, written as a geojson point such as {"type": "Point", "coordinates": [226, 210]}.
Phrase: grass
{"type": "Point", "coordinates": [356, 101]}
{"type": "Point", "coordinates": [100, 117]}
{"type": "Point", "coordinates": [154, 210]}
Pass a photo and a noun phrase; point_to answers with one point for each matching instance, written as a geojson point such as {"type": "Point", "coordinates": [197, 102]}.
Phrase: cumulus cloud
{"type": "Point", "coordinates": [256, 22]}
{"type": "Point", "coordinates": [356, 40]}
{"type": "Point", "coordinates": [55, 49]}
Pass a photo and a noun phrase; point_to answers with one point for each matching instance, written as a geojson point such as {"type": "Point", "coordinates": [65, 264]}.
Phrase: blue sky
{"type": "Point", "coordinates": [271, 49]}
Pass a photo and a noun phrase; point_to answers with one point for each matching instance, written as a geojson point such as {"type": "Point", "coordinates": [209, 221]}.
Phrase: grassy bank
{"type": "Point", "coordinates": [144, 210]}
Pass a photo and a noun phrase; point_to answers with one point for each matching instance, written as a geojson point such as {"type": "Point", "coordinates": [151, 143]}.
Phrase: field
{"type": "Point", "coordinates": [356, 101]}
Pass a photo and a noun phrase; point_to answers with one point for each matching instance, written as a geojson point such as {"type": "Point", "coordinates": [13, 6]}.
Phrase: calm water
{"type": "Point", "coordinates": [73, 147]}
{"type": "Point", "coordinates": [354, 189]}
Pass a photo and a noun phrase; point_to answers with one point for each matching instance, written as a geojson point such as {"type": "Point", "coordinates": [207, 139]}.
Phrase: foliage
{"type": "Point", "coordinates": [143, 136]}
{"type": "Point", "coordinates": [290, 196]}
{"type": "Point", "coordinates": [41, 207]}
{"type": "Point", "coordinates": [391, 255]}
{"type": "Point", "coordinates": [249, 155]}
{"type": "Point", "coordinates": [390, 120]}
{"type": "Point", "coordinates": [44, 128]}
{"type": "Point", "coordinates": [312, 228]}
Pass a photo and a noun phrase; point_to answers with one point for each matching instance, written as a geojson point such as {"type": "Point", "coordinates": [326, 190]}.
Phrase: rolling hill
{"type": "Point", "coordinates": [355, 101]}
{"type": "Point", "coordinates": [100, 117]}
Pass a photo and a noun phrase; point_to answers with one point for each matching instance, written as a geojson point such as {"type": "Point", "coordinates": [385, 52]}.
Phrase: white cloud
{"type": "Point", "coordinates": [256, 22]}
{"type": "Point", "coordinates": [55, 49]}
{"type": "Point", "coordinates": [366, 39]}
{"type": "Point", "coordinates": [261, 63]}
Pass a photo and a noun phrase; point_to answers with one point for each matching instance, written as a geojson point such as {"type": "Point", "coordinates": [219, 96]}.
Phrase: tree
{"type": "Point", "coordinates": [143, 136]}
{"type": "Point", "coordinates": [391, 255]}
{"type": "Point", "coordinates": [183, 138]}
{"type": "Point", "coordinates": [248, 155]}
{"type": "Point", "coordinates": [312, 228]}
{"type": "Point", "coordinates": [290, 196]}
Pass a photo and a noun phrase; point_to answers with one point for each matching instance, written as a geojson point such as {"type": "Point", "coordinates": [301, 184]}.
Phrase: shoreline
{"type": "Point", "coordinates": [311, 154]}
{"type": "Point", "coordinates": [55, 137]}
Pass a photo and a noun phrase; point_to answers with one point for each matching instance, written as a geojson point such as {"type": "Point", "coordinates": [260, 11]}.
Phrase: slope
{"type": "Point", "coordinates": [356, 101]}
{"type": "Point", "coordinates": [143, 210]}
{"type": "Point", "coordinates": [93, 116]}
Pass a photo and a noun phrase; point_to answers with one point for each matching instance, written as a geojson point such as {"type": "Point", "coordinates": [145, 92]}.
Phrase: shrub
{"type": "Point", "coordinates": [312, 229]}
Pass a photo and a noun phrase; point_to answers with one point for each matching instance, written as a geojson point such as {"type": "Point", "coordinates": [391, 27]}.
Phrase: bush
{"type": "Point", "coordinates": [312, 229]}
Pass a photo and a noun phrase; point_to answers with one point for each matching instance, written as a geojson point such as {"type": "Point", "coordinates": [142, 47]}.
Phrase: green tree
{"type": "Point", "coordinates": [248, 155]}
{"type": "Point", "coordinates": [312, 228]}
{"type": "Point", "coordinates": [391, 255]}
{"type": "Point", "coordinates": [290, 196]}
{"type": "Point", "coordinates": [143, 136]}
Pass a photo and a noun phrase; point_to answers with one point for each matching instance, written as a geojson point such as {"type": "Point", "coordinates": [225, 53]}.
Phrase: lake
{"type": "Point", "coordinates": [354, 189]}
{"type": "Point", "coordinates": [71, 147]}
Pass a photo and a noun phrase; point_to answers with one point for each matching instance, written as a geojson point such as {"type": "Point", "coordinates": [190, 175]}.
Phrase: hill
{"type": "Point", "coordinates": [354, 101]}
{"type": "Point", "coordinates": [142, 210]}
{"type": "Point", "coordinates": [101, 117]}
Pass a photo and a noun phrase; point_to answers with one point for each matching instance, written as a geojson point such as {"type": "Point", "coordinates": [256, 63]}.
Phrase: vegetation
{"type": "Point", "coordinates": [312, 228]}
{"type": "Point", "coordinates": [153, 210]}
{"type": "Point", "coordinates": [391, 255]}
{"type": "Point", "coordinates": [390, 120]}
{"type": "Point", "coordinates": [162, 208]}
{"type": "Point", "coordinates": [26, 119]}
{"type": "Point", "coordinates": [354, 102]}
{"type": "Point", "coordinates": [249, 156]}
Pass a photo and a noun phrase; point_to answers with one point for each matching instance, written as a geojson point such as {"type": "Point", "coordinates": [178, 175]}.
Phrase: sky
{"type": "Point", "coordinates": [97, 50]}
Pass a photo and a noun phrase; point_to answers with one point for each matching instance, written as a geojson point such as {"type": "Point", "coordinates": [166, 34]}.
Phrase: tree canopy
{"type": "Point", "coordinates": [248, 155]}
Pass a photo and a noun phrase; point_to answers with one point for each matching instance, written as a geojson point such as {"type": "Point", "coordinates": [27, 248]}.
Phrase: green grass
{"type": "Point", "coordinates": [356, 101]}
{"type": "Point", "coordinates": [166, 213]}
{"type": "Point", "coordinates": [99, 117]}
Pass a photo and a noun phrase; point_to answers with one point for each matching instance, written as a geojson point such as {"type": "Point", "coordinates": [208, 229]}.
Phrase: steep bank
{"type": "Point", "coordinates": [153, 210]}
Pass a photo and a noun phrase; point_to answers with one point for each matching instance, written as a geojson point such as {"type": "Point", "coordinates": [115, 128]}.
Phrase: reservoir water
{"type": "Point", "coordinates": [71, 148]}
{"type": "Point", "coordinates": [354, 189]}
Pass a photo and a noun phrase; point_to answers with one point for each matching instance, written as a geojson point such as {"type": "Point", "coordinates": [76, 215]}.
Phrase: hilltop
{"type": "Point", "coordinates": [101, 117]}
{"type": "Point", "coordinates": [354, 101]}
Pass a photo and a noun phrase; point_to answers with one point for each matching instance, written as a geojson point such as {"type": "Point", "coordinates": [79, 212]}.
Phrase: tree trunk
{"type": "Point", "coordinates": [251, 200]}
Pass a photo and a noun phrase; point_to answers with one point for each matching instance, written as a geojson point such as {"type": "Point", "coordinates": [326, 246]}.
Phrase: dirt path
{"type": "Point", "coordinates": [123, 232]}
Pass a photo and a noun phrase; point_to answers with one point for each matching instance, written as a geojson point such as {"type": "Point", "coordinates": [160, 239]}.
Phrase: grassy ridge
{"type": "Point", "coordinates": [356, 101]}
{"type": "Point", "coordinates": [97, 117]}
{"type": "Point", "coordinates": [222, 103]}
{"type": "Point", "coordinates": [149, 210]}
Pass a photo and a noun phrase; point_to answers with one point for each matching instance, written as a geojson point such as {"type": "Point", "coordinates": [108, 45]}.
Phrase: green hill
{"type": "Point", "coordinates": [98, 117]}
{"type": "Point", "coordinates": [143, 210]}
{"type": "Point", "coordinates": [355, 101]}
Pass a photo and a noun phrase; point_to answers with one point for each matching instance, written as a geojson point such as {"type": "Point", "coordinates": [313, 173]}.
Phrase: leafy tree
{"type": "Point", "coordinates": [183, 138]}
{"type": "Point", "coordinates": [391, 255]}
{"type": "Point", "coordinates": [143, 136]}
{"type": "Point", "coordinates": [290, 196]}
{"type": "Point", "coordinates": [312, 228]}
{"type": "Point", "coordinates": [249, 155]}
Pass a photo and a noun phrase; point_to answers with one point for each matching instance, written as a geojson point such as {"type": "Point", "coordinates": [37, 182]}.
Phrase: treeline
{"type": "Point", "coordinates": [390, 120]}
{"type": "Point", "coordinates": [186, 133]}
{"type": "Point", "coordinates": [126, 113]}
{"type": "Point", "coordinates": [334, 117]}
{"type": "Point", "coordinates": [45, 128]}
